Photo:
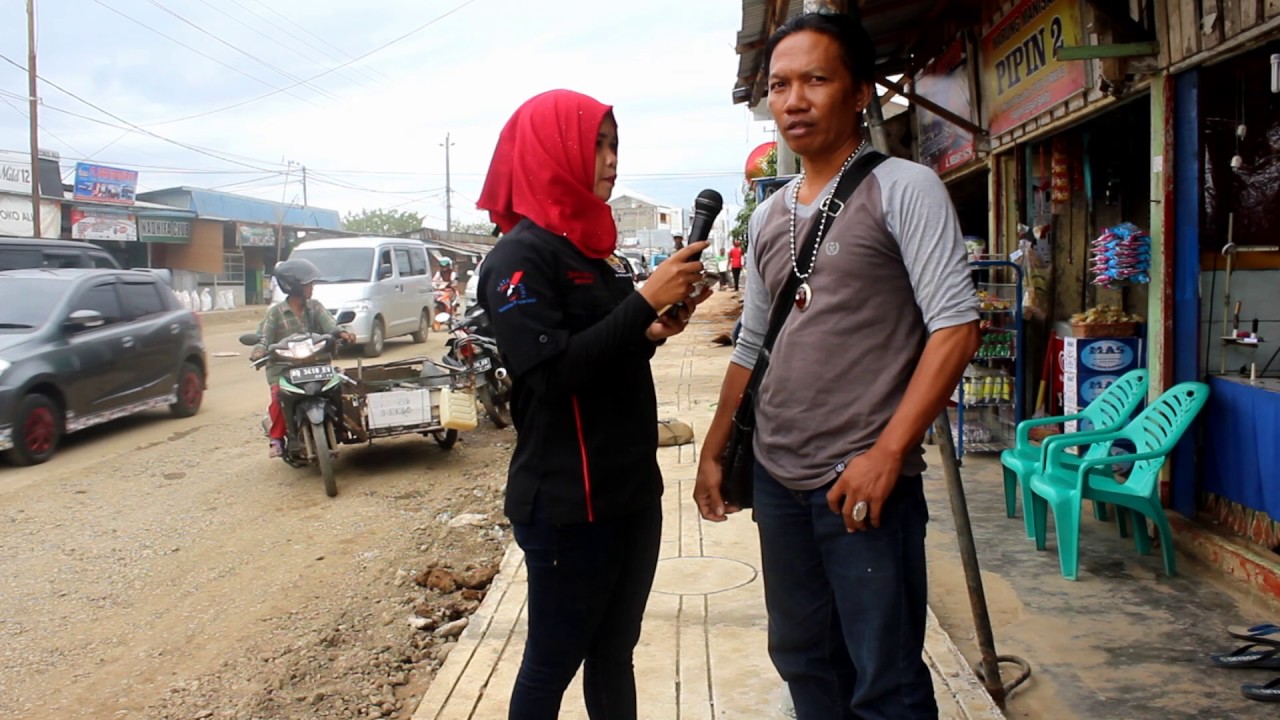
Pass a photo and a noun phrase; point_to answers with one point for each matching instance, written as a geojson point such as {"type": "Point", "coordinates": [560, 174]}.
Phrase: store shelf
{"type": "Point", "coordinates": [992, 447]}
{"type": "Point", "coordinates": [1000, 417]}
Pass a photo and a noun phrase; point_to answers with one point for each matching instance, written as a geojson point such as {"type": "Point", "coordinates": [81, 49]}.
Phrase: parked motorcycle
{"type": "Point", "coordinates": [311, 395]}
{"type": "Point", "coordinates": [472, 347]}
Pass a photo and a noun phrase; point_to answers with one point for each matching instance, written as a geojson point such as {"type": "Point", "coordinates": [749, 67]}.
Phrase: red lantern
{"type": "Point", "coordinates": [756, 161]}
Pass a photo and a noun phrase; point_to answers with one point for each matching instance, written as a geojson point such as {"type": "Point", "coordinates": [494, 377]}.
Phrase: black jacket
{"type": "Point", "coordinates": [572, 334]}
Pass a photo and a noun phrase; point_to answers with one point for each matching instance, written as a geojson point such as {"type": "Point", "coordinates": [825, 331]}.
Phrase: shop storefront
{"type": "Point", "coordinates": [1225, 279]}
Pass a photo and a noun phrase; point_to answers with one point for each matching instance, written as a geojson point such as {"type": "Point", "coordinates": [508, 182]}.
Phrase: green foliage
{"type": "Point", "coordinates": [474, 228]}
{"type": "Point", "coordinates": [382, 222]}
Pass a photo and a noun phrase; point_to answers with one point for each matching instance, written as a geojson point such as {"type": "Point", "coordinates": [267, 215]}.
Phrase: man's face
{"type": "Point", "coordinates": [812, 97]}
{"type": "Point", "coordinates": [307, 290]}
{"type": "Point", "coordinates": [606, 158]}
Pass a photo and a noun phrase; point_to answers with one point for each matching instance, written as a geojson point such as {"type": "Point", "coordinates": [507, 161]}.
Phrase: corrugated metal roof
{"type": "Point", "coordinates": [227, 206]}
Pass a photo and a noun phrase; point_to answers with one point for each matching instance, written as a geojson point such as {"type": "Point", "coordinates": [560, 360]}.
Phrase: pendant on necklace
{"type": "Point", "coordinates": [804, 297]}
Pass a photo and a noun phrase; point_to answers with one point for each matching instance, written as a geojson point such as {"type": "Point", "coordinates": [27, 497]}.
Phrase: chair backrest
{"type": "Point", "coordinates": [1112, 409]}
{"type": "Point", "coordinates": [1160, 426]}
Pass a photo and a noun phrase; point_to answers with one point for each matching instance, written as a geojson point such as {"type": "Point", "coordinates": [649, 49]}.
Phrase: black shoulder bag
{"type": "Point", "coordinates": [739, 459]}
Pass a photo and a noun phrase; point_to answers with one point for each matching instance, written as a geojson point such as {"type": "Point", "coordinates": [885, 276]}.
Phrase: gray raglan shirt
{"type": "Point", "coordinates": [891, 270]}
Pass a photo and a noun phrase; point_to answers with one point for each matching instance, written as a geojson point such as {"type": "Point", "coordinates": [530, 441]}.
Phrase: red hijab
{"type": "Point", "coordinates": [544, 169]}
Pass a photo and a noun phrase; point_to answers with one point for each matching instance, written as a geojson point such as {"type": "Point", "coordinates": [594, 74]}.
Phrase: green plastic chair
{"type": "Point", "coordinates": [1108, 413]}
{"type": "Point", "coordinates": [1154, 433]}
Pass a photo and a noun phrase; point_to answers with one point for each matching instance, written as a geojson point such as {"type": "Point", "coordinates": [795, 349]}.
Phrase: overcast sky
{"type": "Point", "coordinates": [370, 133]}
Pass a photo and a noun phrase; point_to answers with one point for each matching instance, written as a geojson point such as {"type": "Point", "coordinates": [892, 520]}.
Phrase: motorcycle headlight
{"type": "Point", "coordinates": [4, 365]}
{"type": "Point", "coordinates": [299, 350]}
{"type": "Point", "coordinates": [358, 306]}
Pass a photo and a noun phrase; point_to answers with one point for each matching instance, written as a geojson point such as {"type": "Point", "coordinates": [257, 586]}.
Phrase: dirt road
{"type": "Point", "coordinates": [161, 568]}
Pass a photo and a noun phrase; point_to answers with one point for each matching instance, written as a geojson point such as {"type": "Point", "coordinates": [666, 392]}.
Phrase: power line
{"type": "Point", "coordinates": [42, 127]}
{"type": "Point", "coordinates": [201, 53]}
{"type": "Point", "coordinates": [247, 54]}
{"type": "Point", "coordinates": [333, 69]}
{"type": "Point", "coordinates": [112, 115]}
{"type": "Point", "coordinates": [355, 73]}
{"type": "Point", "coordinates": [338, 55]}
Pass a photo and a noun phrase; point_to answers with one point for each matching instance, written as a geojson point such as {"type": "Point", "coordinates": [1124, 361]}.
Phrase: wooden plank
{"type": "Point", "coordinates": [1231, 18]}
{"type": "Point", "coordinates": [1190, 16]}
{"type": "Point", "coordinates": [1171, 37]}
{"type": "Point", "coordinates": [1250, 13]}
{"type": "Point", "coordinates": [1162, 33]}
{"type": "Point", "coordinates": [1211, 20]}
{"type": "Point", "coordinates": [1272, 8]}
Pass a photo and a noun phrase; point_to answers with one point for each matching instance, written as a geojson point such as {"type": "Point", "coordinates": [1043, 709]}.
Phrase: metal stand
{"type": "Point", "coordinates": [989, 668]}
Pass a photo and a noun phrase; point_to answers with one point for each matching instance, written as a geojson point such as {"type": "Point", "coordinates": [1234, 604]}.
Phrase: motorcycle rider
{"type": "Point", "coordinates": [446, 292]}
{"type": "Point", "coordinates": [297, 313]}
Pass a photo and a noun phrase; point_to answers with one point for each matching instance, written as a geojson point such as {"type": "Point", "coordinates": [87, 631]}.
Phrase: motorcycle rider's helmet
{"type": "Point", "coordinates": [445, 262]}
{"type": "Point", "coordinates": [292, 275]}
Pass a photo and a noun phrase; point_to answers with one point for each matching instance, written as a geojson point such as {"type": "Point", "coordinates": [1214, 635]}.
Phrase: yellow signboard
{"type": "Point", "coordinates": [1021, 77]}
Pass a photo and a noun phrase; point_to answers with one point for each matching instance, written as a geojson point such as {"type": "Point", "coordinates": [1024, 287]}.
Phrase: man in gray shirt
{"type": "Point", "coordinates": [882, 329]}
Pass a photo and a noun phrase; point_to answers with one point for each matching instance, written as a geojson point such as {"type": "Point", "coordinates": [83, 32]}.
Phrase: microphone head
{"type": "Point", "coordinates": [708, 201]}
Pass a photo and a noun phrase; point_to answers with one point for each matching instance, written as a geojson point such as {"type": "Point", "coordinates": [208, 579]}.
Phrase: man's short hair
{"type": "Point", "coordinates": [857, 49]}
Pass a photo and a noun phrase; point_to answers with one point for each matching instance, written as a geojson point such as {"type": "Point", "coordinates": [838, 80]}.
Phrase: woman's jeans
{"type": "Point", "coordinates": [588, 585]}
{"type": "Point", "coordinates": [846, 610]}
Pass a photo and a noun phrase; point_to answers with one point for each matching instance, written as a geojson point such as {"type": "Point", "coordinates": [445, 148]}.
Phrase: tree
{"type": "Point", "coordinates": [474, 228]}
{"type": "Point", "coordinates": [382, 222]}
{"type": "Point", "coordinates": [739, 231]}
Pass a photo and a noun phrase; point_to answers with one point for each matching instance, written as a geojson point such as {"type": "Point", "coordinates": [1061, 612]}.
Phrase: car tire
{"type": "Point", "coordinates": [446, 439]}
{"type": "Point", "coordinates": [38, 430]}
{"type": "Point", "coordinates": [377, 339]}
{"type": "Point", "coordinates": [424, 326]}
{"type": "Point", "coordinates": [190, 391]}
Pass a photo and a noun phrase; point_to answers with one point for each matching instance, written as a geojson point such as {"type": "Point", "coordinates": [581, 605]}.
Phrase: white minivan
{"type": "Point", "coordinates": [386, 282]}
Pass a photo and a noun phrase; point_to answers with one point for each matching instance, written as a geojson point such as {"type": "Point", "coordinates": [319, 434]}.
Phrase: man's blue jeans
{"type": "Point", "coordinates": [846, 610]}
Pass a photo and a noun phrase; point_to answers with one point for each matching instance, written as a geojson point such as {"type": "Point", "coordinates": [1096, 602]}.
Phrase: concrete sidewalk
{"type": "Point", "coordinates": [702, 653]}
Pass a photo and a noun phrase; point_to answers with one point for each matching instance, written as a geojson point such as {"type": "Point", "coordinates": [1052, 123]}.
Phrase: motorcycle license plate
{"type": "Point", "coordinates": [482, 364]}
{"type": "Point", "coordinates": [312, 373]}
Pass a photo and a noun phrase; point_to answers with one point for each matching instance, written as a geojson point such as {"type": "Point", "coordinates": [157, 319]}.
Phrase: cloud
{"type": "Point", "coordinates": [667, 71]}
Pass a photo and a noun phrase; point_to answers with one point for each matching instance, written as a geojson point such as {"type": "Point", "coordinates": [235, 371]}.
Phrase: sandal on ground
{"type": "Point", "coordinates": [1253, 655]}
{"type": "Point", "coordinates": [1264, 693]}
{"type": "Point", "coordinates": [1268, 633]}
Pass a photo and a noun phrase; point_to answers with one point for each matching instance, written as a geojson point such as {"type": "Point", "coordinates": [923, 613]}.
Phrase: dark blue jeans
{"type": "Point", "coordinates": [588, 586]}
{"type": "Point", "coordinates": [846, 610]}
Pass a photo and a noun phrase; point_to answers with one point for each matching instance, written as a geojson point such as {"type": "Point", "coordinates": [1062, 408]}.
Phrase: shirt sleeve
{"type": "Point", "coordinates": [267, 328]}
{"type": "Point", "coordinates": [755, 300]}
{"type": "Point", "coordinates": [523, 300]}
{"type": "Point", "coordinates": [918, 212]}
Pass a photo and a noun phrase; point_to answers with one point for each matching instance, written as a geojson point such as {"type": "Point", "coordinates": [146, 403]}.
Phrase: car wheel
{"type": "Point", "coordinates": [377, 339]}
{"type": "Point", "coordinates": [424, 326]}
{"type": "Point", "coordinates": [446, 439]}
{"type": "Point", "coordinates": [190, 391]}
{"type": "Point", "coordinates": [37, 432]}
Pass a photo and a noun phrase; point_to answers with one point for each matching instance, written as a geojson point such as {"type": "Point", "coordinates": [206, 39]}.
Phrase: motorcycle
{"type": "Point", "coordinates": [472, 347]}
{"type": "Point", "coordinates": [446, 306]}
{"type": "Point", "coordinates": [311, 396]}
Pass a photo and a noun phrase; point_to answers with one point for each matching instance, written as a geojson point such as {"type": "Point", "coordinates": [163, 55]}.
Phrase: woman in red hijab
{"type": "Point", "coordinates": [583, 489]}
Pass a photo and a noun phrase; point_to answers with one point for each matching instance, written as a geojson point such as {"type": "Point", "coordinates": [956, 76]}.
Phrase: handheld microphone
{"type": "Point", "coordinates": [706, 207]}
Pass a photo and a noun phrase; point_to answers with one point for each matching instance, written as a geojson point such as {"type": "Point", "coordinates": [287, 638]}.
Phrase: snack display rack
{"type": "Point", "coordinates": [989, 398]}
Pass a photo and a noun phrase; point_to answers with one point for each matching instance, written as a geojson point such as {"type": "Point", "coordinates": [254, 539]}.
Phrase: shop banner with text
{"type": "Point", "coordinates": [105, 184]}
{"type": "Point", "coordinates": [117, 227]}
{"type": "Point", "coordinates": [255, 236]}
{"type": "Point", "coordinates": [945, 81]}
{"type": "Point", "coordinates": [16, 220]}
{"type": "Point", "coordinates": [1021, 77]}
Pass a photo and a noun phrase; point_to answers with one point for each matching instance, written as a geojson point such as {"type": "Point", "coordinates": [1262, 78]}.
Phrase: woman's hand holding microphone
{"type": "Point", "coordinates": [670, 286]}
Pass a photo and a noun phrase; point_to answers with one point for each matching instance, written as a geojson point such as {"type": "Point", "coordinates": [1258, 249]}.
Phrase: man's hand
{"type": "Point", "coordinates": [347, 337]}
{"type": "Point", "coordinates": [869, 478]}
{"type": "Point", "coordinates": [257, 354]}
{"type": "Point", "coordinates": [706, 492]}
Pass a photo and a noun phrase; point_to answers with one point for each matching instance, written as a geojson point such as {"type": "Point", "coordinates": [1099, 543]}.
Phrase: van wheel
{"type": "Point", "coordinates": [190, 391]}
{"type": "Point", "coordinates": [424, 326]}
{"type": "Point", "coordinates": [377, 339]}
{"type": "Point", "coordinates": [37, 432]}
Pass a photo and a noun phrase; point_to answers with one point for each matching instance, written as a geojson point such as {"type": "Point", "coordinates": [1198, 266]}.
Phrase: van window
{"type": "Point", "coordinates": [418, 261]}
{"type": "Point", "coordinates": [101, 298]}
{"type": "Point", "coordinates": [141, 299]}
{"type": "Point", "coordinates": [339, 265]}
{"type": "Point", "coordinates": [61, 260]}
{"type": "Point", "coordinates": [402, 261]}
{"type": "Point", "coordinates": [384, 258]}
{"type": "Point", "coordinates": [19, 258]}
{"type": "Point", "coordinates": [104, 261]}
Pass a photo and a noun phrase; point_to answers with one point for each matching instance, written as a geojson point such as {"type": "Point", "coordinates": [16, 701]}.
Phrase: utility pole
{"type": "Point", "coordinates": [448, 188]}
{"type": "Point", "coordinates": [304, 186]}
{"type": "Point", "coordinates": [34, 102]}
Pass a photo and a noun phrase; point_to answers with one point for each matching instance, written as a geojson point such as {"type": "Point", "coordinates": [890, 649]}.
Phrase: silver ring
{"type": "Point", "coordinates": [860, 511]}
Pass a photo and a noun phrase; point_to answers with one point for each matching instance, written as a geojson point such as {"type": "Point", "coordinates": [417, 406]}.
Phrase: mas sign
{"type": "Point", "coordinates": [1021, 76]}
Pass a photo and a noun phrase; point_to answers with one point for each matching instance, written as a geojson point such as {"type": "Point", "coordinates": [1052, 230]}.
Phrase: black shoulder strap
{"type": "Point", "coordinates": [849, 182]}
